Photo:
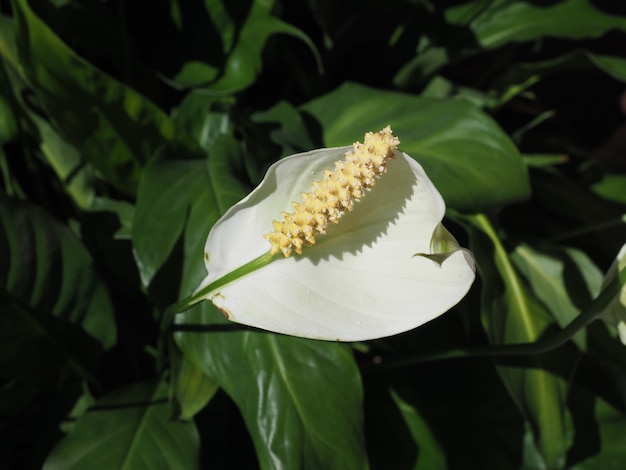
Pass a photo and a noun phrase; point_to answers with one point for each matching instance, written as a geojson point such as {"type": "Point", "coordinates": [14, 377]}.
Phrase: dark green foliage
{"type": "Point", "coordinates": [128, 128]}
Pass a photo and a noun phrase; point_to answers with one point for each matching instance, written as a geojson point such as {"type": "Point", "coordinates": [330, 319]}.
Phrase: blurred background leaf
{"type": "Point", "coordinates": [500, 22]}
{"type": "Point", "coordinates": [114, 127]}
{"type": "Point", "coordinates": [512, 314]}
{"type": "Point", "coordinates": [56, 314]}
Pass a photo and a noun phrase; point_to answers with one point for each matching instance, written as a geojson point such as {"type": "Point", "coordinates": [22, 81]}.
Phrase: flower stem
{"type": "Point", "coordinates": [616, 222]}
{"type": "Point", "coordinates": [202, 294]}
{"type": "Point", "coordinates": [538, 347]}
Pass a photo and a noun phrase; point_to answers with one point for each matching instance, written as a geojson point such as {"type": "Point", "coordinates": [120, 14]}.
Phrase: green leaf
{"type": "Point", "coordinates": [168, 192]}
{"type": "Point", "coordinates": [81, 406]}
{"type": "Point", "coordinates": [244, 61]}
{"type": "Point", "coordinates": [286, 128]}
{"type": "Point", "coordinates": [128, 429]}
{"type": "Point", "coordinates": [600, 439]}
{"type": "Point", "coordinates": [71, 169]}
{"type": "Point", "coordinates": [55, 312]}
{"type": "Point", "coordinates": [123, 210]}
{"type": "Point", "coordinates": [430, 454]}
{"type": "Point", "coordinates": [112, 126]}
{"type": "Point", "coordinates": [612, 187]}
{"type": "Point", "coordinates": [174, 193]}
{"type": "Point", "coordinates": [8, 121]}
{"type": "Point", "coordinates": [301, 399]}
{"type": "Point", "coordinates": [468, 157]}
{"type": "Point", "coordinates": [511, 314]}
{"type": "Point", "coordinates": [205, 117]}
{"type": "Point", "coordinates": [565, 281]}
{"type": "Point", "coordinates": [543, 160]}
{"type": "Point", "coordinates": [225, 171]}
{"type": "Point", "coordinates": [192, 388]}
{"type": "Point", "coordinates": [500, 22]}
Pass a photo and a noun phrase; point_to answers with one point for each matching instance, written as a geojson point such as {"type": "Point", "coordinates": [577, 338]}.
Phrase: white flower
{"type": "Point", "coordinates": [359, 254]}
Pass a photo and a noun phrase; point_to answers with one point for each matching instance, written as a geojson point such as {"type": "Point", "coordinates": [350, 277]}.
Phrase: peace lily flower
{"type": "Point", "coordinates": [359, 252]}
{"type": "Point", "coordinates": [615, 312]}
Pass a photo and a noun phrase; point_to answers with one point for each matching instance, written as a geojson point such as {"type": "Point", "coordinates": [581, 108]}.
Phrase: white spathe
{"type": "Point", "coordinates": [362, 280]}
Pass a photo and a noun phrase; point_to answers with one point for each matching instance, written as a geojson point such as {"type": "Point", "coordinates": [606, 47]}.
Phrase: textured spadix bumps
{"type": "Point", "coordinates": [333, 195]}
{"type": "Point", "coordinates": [386, 266]}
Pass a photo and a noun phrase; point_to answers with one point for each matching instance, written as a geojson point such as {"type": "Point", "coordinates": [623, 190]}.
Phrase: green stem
{"type": "Point", "coordinates": [616, 222]}
{"type": "Point", "coordinates": [588, 315]}
{"type": "Point", "coordinates": [185, 304]}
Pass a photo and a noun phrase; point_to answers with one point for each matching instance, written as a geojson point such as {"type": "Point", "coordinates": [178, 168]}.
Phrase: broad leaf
{"type": "Point", "coordinates": [301, 399]}
{"type": "Point", "coordinates": [113, 127]}
{"type": "Point", "coordinates": [174, 193]}
{"type": "Point", "coordinates": [500, 22]}
{"type": "Point", "coordinates": [468, 157]}
{"type": "Point", "coordinates": [168, 192]}
{"type": "Point", "coordinates": [279, 383]}
{"type": "Point", "coordinates": [128, 429]}
{"type": "Point", "coordinates": [55, 312]}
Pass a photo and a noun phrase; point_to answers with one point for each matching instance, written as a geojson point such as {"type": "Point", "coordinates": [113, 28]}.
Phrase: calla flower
{"type": "Point", "coordinates": [615, 312]}
{"type": "Point", "coordinates": [360, 252]}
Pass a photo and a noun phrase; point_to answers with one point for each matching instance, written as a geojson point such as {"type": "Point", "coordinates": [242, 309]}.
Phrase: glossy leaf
{"type": "Point", "coordinates": [468, 157]}
{"type": "Point", "coordinates": [290, 375]}
{"type": "Point", "coordinates": [56, 314]}
{"type": "Point", "coordinates": [173, 193]}
{"type": "Point", "coordinates": [276, 397]}
{"type": "Point", "coordinates": [300, 399]}
{"type": "Point", "coordinates": [128, 429]}
{"type": "Point", "coordinates": [168, 192]}
{"type": "Point", "coordinates": [114, 127]}
{"type": "Point", "coordinates": [500, 22]}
